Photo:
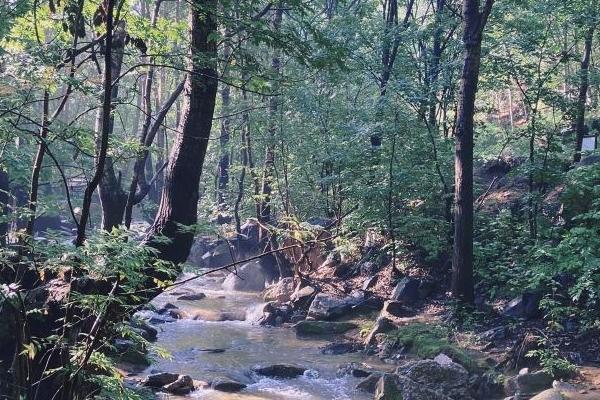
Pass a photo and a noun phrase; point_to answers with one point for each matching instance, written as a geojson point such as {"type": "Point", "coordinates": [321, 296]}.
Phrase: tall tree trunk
{"type": "Point", "coordinates": [112, 196]}
{"type": "Point", "coordinates": [106, 122]}
{"type": "Point", "coordinates": [4, 206]}
{"type": "Point", "coordinates": [223, 167]}
{"type": "Point", "coordinates": [269, 163]}
{"type": "Point", "coordinates": [583, 90]}
{"type": "Point", "coordinates": [434, 68]}
{"type": "Point", "coordinates": [179, 199]}
{"type": "Point", "coordinates": [462, 261]}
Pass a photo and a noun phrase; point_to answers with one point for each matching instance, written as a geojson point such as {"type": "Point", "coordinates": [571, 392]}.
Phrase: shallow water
{"type": "Point", "coordinates": [245, 346]}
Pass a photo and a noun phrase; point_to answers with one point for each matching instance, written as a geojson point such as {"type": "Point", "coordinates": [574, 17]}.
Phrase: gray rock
{"type": "Point", "coordinates": [250, 277]}
{"type": "Point", "coordinates": [497, 333]}
{"type": "Point", "coordinates": [353, 369]}
{"type": "Point", "coordinates": [369, 384]}
{"type": "Point", "coordinates": [398, 387]}
{"type": "Point", "coordinates": [160, 379]}
{"type": "Point", "coordinates": [525, 306]}
{"type": "Point", "coordinates": [340, 348]}
{"type": "Point", "coordinates": [370, 282]}
{"type": "Point", "coordinates": [527, 384]}
{"type": "Point", "coordinates": [283, 371]}
{"type": "Point", "coordinates": [227, 385]}
{"type": "Point", "coordinates": [325, 306]}
{"type": "Point", "coordinates": [441, 374]}
{"type": "Point", "coordinates": [281, 291]}
{"type": "Point", "coordinates": [382, 325]}
{"type": "Point", "coordinates": [192, 297]}
{"type": "Point", "coordinates": [407, 291]}
{"type": "Point", "coordinates": [308, 327]}
{"type": "Point", "coordinates": [183, 385]}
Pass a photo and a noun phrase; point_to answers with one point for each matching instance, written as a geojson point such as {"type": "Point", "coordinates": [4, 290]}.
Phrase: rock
{"type": "Point", "coordinates": [274, 313]}
{"type": "Point", "coordinates": [527, 384]}
{"type": "Point", "coordinates": [308, 327]}
{"type": "Point", "coordinates": [302, 296]}
{"type": "Point", "coordinates": [525, 306]}
{"type": "Point", "coordinates": [326, 307]}
{"type": "Point", "coordinates": [160, 379]}
{"type": "Point", "coordinates": [497, 333]}
{"type": "Point", "coordinates": [165, 309]}
{"type": "Point", "coordinates": [281, 291]}
{"type": "Point", "coordinates": [352, 369]}
{"type": "Point", "coordinates": [192, 297]}
{"type": "Point", "coordinates": [369, 384]}
{"type": "Point", "coordinates": [426, 287]}
{"type": "Point", "coordinates": [440, 374]}
{"type": "Point", "coordinates": [370, 282]}
{"type": "Point", "coordinates": [227, 385]}
{"type": "Point", "coordinates": [220, 256]}
{"type": "Point", "coordinates": [398, 387]}
{"type": "Point", "coordinates": [549, 394]}
{"type": "Point", "coordinates": [407, 290]}
{"type": "Point", "coordinates": [395, 309]}
{"type": "Point", "coordinates": [283, 371]}
{"type": "Point", "coordinates": [231, 316]}
{"type": "Point", "coordinates": [181, 386]}
{"type": "Point", "coordinates": [130, 352]}
{"type": "Point", "coordinates": [145, 330]}
{"type": "Point", "coordinates": [382, 325]}
{"type": "Point", "coordinates": [340, 348]}
{"type": "Point", "coordinates": [250, 277]}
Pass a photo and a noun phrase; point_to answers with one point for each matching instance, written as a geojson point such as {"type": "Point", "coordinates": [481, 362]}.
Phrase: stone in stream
{"type": "Point", "coordinates": [399, 387]}
{"type": "Point", "coordinates": [281, 291]}
{"type": "Point", "coordinates": [352, 369]}
{"type": "Point", "coordinates": [439, 374]}
{"type": "Point", "coordinates": [283, 371]}
{"type": "Point", "coordinates": [369, 383]}
{"type": "Point", "coordinates": [340, 348]}
{"type": "Point", "coordinates": [183, 385]}
{"type": "Point", "coordinates": [307, 327]}
{"type": "Point", "coordinates": [227, 385]}
{"type": "Point", "coordinates": [326, 307]}
{"type": "Point", "coordinates": [160, 379]}
{"type": "Point", "coordinates": [192, 297]}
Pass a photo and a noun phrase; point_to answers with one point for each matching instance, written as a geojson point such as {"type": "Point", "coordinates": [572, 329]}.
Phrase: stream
{"type": "Point", "coordinates": [207, 348]}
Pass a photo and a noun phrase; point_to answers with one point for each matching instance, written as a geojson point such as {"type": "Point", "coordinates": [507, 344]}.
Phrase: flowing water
{"type": "Point", "coordinates": [196, 348]}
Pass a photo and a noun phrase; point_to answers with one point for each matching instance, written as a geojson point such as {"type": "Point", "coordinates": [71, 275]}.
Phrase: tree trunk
{"type": "Point", "coordinates": [4, 209]}
{"type": "Point", "coordinates": [223, 167]}
{"type": "Point", "coordinates": [179, 199]}
{"type": "Point", "coordinates": [112, 196]}
{"type": "Point", "coordinates": [462, 262]}
{"type": "Point", "coordinates": [583, 90]}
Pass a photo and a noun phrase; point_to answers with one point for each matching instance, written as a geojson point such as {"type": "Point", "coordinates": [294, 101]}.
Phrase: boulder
{"type": "Point", "coordinates": [192, 297]}
{"type": "Point", "coordinates": [250, 277]}
{"type": "Point", "coordinates": [369, 282]}
{"type": "Point", "coordinates": [395, 309]}
{"type": "Point", "coordinates": [281, 291]}
{"type": "Point", "coordinates": [231, 316]}
{"type": "Point", "coordinates": [526, 384]}
{"type": "Point", "coordinates": [183, 385]}
{"type": "Point", "coordinates": [398, 387]}
{"type": "Point", "coordinates": [369, 383]}
{"type": "Point", "coordinates": [302, 296]}
{"type": "Point", "coordinates": [407, 291]}
{"type": "Point", "coordinates": [439, 374]}
{"type": "Point", "coordinates": [227, 385]}
{"type": "Point", "coordinates": [326, 307]}
{"type": "Point", "coordinates": [340, 348]}
{"type": "Point", "coordinates": [308, 327]}
{"type": "Point", "coordinates": [525, 306]}
{"type": "Point", "coordinates": [352, 369]}
{"type": "Point", "coordinates": [382, 325]}
{"type": "Point", "coordinates": [160, 379]}
{"type": "Point", "coordinates": [283, 371]}
{"type": "Point", "coordinates": [274, 313]}
{"type": "Point", "coordinates": [145, 330]}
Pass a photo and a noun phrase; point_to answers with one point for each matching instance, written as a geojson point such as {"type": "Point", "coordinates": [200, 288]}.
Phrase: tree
{"type": "Point", "coordinates": [474, 22]}
{"type": "Point", "coordinates": [177, 211]}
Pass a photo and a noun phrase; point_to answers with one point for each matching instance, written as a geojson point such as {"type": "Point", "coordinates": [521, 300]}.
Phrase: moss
{"type": "Point", "coordinates": [427, 341]}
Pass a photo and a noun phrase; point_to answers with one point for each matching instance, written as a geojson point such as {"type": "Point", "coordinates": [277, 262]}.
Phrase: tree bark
{"type": "Point", "coordinates": [462, 261]}
{"type": "Point", "coordinates": [179, 199]}
{"type": "Point", "coordinates": [223, 167]}
{"type": "Point", "coordinates": [583, 90]}
{"type": "Point", "coordinates": [112, 196]}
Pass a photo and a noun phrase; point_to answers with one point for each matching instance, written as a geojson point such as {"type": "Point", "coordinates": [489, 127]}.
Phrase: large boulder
{"type": "Point", "coordinates": [439, 374]}
{"type": "Point", "coordinates": [281, 291]}
{"type": "Point", "coordinates": [398, 387]}
{"type": "Point", "coordinates": [395, 309]}
{"type": "Point", "coordinates": [527, 384]}
{"type": "Point", "coordinates": [226, 385]}
{"type": "Point", "coordinates": [308, 327]}
{"type": "Point", "coordinates": [326, 307]}
{"type": "Point", "coordinates": [250, 277]}
{"type": "Point", "coordinates": [283, 371]}
{"type": "Point", "coordinates": [525, 306]}
{"type": "Point", "coordinates": [183, 385]}
{"type": "Point", "coordinates": [407, 290]}
{"type": "Point", "coordinates": [159, 380]}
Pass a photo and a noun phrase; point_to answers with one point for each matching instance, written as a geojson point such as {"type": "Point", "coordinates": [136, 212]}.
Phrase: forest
{"type": "Point", "coordinates": [299, 199]}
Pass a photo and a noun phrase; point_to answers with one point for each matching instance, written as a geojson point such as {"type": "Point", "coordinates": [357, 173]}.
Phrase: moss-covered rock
{"type": "Point", "coordinates": [323, 327]}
